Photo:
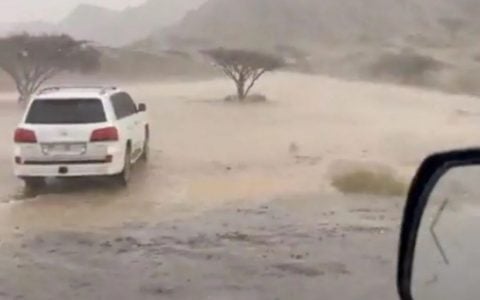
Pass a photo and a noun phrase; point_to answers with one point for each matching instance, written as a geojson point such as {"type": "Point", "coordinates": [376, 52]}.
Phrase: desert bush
{"type": "Point", "coordinates": [381, 183]}
{"type": "Point", "coordinates": [406, 67]}
{"type": "Point", "coordinates": [464, 82]}
{"type": "Point", "coordinates": [249, 98]}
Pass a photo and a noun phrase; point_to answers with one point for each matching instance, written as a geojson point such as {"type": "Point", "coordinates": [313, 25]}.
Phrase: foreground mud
{"type": "Point", "coordinates": [263, 252]}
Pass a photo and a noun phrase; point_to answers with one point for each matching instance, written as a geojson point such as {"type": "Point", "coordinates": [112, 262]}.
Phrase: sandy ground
{"type": "Point", "coordinates": [236, 202]}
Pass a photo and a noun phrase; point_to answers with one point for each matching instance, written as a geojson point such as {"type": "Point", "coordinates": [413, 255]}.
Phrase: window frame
{"type": "Point", "coordinates": [123, 105]}
{"type": "Point", "coordinates": [28, 117]}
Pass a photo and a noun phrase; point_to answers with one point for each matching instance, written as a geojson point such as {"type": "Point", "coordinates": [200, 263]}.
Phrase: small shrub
{"type": "Point", "coordinates": [368, 182]}
{"type": "Point", "coordinates": [251, 98]}
{"type": "Point", "coordinates": [406, 67]}
{"type": "Point", "coordinates": [464, 82]}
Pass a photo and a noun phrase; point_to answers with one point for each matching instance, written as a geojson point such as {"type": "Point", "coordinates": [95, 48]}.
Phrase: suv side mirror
{"type": "Point", "coordinates": [142, 107]}
{"type": "Point", "coordinates": [439, 254]}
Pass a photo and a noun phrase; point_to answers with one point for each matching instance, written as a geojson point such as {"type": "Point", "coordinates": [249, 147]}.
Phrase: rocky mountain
{"type": "Point", "coordinates": [112, 27]}
{"type": "Point", "coordinates": [118, 28]}
{"type": "Point", "coordinates": [267, 22]}
{"type": "Point", "coordinates": [36, 27]}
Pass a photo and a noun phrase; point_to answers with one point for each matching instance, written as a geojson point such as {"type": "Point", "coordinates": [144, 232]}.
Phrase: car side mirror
{"type": "Point", "coordinates": [439, 252]}
{"type": "Point", "coordinates": [142, 107]}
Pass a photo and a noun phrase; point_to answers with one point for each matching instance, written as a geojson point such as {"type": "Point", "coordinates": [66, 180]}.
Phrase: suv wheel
{"type": "Point", "coordinates": [146, 150]}
{"type": "Point", "coordinates": [34, 184]}
{"type": "Point", "coordinates": [124, 178]}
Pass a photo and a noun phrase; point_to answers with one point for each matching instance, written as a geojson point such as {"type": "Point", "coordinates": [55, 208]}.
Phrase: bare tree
{"type": "Point", "coordinates": [32, 60]}
{"type": "Point", "coordinates": [244, 67]}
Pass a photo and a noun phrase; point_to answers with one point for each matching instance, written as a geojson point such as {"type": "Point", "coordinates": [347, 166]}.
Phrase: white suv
{"type": "Point", "coordinates": [80, 131]}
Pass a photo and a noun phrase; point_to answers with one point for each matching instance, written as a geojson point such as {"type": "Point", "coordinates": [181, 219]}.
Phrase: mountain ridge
{"type": "Point", "coordinates": [251, 22]}
{"type": "Point", "coordinates": [112, 27]}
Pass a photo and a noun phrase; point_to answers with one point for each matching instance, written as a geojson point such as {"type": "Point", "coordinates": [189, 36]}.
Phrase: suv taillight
{"type": "Point", "coordinates": [108, 134]}
{"type": "Point", "coordinates": [25, 136]}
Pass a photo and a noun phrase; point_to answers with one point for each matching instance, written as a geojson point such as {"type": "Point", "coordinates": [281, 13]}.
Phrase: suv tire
{"type": "Point", "coordinates": [124, 177]}
{"type": "Point", "coordinates": [146, 149]}
{"type": "Point", "coordinates": [34, 184]}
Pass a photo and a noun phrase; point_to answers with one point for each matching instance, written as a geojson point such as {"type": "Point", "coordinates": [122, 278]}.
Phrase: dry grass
{"type": "Point", "coordinates": [368, 182]}
{"type": "Point", "coordinates": [253, 98]}
{"type": "Point", "coordinates": [405, 67]}
{"type": "Point", "coordinates": [464, 82]}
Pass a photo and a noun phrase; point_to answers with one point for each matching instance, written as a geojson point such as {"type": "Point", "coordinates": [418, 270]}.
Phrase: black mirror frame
{"type": "Point", "coordinates": [427, 176]}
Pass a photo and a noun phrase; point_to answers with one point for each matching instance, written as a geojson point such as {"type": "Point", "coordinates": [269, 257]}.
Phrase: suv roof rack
{"type": "Point", "coordinates": [103, 89]}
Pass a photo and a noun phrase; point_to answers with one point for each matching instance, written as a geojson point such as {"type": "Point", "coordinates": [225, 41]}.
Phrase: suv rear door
{"type": "Point", "coordinates": [63, 126]}
{"type": "Point", "coordinates": [128, 118]}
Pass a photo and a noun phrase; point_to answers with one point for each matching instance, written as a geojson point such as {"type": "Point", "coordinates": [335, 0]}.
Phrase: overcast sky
{"type": "Point", "coordinates": [53, 10]}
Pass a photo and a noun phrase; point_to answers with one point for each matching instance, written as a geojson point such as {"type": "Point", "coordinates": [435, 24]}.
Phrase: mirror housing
{"type": "Point", "coordinates": [142, 107]}
{"type": "Point", "coordinates": [427, 176]}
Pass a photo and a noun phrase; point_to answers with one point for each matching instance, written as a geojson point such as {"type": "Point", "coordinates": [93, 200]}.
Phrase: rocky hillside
{"type": "Point", "coordinates": [122, 27]}
{"type": "Point", "coordinates": [267, 22]}
{"type": "Point", "coordinates": [112, 27]}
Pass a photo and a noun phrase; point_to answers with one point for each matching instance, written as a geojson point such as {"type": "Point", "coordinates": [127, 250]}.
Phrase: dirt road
{"type": "Point", "coordinates": [225, 209]}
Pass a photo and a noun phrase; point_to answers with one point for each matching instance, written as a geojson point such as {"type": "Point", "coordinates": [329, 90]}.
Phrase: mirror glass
{"type": "Point", "coordinates": [447, 257]}
{"type": "Point", "coordinates": [142, 107]}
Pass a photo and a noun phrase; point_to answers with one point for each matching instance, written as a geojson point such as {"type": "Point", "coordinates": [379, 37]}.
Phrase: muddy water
{"type": "Point", "coordinates": [184, 177]}
{"type": "Point", "coordinates": [160, 190]}
{"type": "Point", "coordinates": [236, 201]}
{"type": "Point", "coordinates": [207, 154]}
{"type": "Point", "coordinates": [157, 193]}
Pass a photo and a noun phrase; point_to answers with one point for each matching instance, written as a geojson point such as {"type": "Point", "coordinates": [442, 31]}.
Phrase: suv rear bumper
{"type": "Point", "coordinates": [67, 170]}
{"type": "Point", "coordinates": [70, 169]}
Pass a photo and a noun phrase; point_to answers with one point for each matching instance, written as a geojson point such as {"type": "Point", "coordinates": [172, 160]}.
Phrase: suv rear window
{"type": "Point", "coordinates": [66, 111]}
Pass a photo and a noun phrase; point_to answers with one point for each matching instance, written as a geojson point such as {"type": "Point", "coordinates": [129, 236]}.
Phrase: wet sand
{"type": "Point", "coordinates": [236, 202]}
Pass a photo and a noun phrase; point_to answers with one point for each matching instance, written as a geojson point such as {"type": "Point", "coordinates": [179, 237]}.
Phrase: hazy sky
{"type": "Point", "coordinates": [50, 10]}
